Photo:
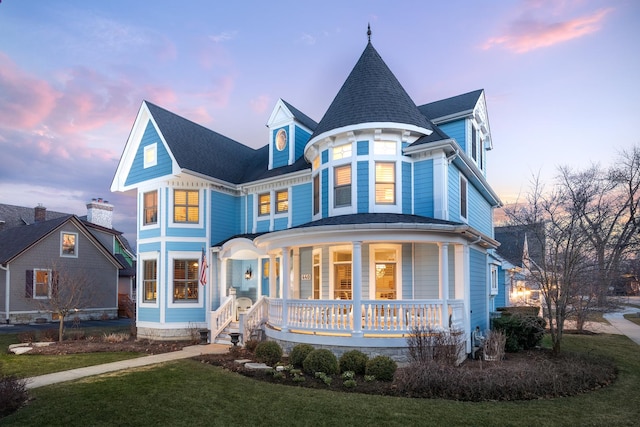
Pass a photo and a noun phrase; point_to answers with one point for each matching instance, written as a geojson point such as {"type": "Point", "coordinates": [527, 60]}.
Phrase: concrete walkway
{"type": "Point", "coordinates": [624, 326]}
{"type": "Point", "coordinates": [74, 374]}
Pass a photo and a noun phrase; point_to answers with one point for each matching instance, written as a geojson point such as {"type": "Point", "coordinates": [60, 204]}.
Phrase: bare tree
{"type": "Point", "coordinates": [558, 271]}
{"type": "Point", "coordinates": [71, 291]}
{"type": "Point", "coordinates": [606, 203]}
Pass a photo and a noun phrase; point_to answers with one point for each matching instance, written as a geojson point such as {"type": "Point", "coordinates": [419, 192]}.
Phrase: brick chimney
{"type": "Point", "coordinates": [100, 212]}
{"type": "Point", "coordinates": [40, 213]}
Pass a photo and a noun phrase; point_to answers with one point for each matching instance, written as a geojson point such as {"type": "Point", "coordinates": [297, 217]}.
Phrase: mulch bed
{"type": "Point", "coordinates": [131, 345]}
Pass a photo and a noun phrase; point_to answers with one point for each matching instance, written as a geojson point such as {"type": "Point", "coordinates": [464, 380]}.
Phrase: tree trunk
{"type": "Point", "coordinates": [61, 328]}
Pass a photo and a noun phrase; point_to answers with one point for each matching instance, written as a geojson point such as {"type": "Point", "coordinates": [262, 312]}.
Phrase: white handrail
{"type": "Point", "coordinates": [221, 318]}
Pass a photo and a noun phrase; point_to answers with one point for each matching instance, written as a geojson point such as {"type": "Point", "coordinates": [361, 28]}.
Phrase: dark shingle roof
{"type": "Point", "coordinates": [301, 117]}
{"type": "Point", "coordinates": [511, 240]}
{"type": "Point", "coordinates": [249, 236]}
{"type": "Point", "coordinates": [201, 150]}
{"type": "Point", "coordinates": [376, 218]}
{"type": "Point", "coordinates": [15, 240]}
{"type": "Point", "coordinates": [258, 169]}
{"type": "Point", "coordinates": [449, 106]}
{"type": "Point", "coordinates": [370, 94]}
{"type": "Point", "coordinates": [15, 216]}
{"type": "Point", "coordinates": [437, 135]}
{"type": "Point", "coordinates": [128, 270]}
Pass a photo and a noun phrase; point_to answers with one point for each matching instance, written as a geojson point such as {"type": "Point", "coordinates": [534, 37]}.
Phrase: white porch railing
{"type": "Point", "coordinates": [253, 318]}
{"type": "Point", "coordinates": [222, 317]}
{"type": "Point", "coordinates": [378, 316]}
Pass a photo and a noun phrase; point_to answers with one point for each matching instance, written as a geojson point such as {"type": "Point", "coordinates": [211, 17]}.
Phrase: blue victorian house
{"type": "Point", "coordinates": [349, 232]}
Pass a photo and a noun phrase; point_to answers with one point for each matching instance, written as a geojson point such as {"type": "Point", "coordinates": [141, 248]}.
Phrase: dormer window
{"type": "Point", "coordinates": [282, 201]}
{"type": "Point", "coordinates": [342, 186]}
{"type": "Point", "coordinates": [342, 152]}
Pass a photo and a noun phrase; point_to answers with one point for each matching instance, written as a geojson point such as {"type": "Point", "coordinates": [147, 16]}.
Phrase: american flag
{"type": "Point", "coordinates": [203, 268]}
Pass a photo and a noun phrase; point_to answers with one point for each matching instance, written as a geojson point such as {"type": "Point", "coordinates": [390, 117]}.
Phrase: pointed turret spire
{"type": "Point", "coordinates": [369, 32]}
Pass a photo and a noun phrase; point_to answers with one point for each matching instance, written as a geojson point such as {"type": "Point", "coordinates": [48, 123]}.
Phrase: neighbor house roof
{"type": "Point", "coordinates": [371, 94]}
{"type": "Point", "coordinates": [15, 216]}
{"type": "Point", "coordinates": [451, 106]}
{"type": "Point", "coordinates": [512, 243]}
{"type": "Point", "coordinates": [17, 239]}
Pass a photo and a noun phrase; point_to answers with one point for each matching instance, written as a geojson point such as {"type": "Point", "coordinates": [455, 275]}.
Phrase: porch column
{"type": "Point", "coordinates": [272, 276]}
{"type": "Point", "coordinates": [356, 289]}
{"type": "Point", "coordinates": [444, 283]}
{"type": "Point", "coordinates": [284, 279]}
{"type": "Point", "coordinates": [223, 278]}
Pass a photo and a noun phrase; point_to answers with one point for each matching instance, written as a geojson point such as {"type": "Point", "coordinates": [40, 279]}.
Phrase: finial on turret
{"type": "Point", "coordinates": [369, 32]}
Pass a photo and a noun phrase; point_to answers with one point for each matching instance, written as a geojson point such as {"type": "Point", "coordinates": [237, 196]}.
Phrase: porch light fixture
{"type": "Point", "coordinates": [248, 274]}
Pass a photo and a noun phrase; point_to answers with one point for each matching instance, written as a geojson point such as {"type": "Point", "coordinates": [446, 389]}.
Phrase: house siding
{"type": "Point", "coordinates": [479, 211]}
{"type": "Point", "coordinates": [423, 188]}
{"type": "Point", "coordinates": [363, 186]}
{"type": "Point", "coordinates": [478, 290]}
{"type": "Point", "coordinates": [138, 173]}
{"type": "Point", "coordinates": [457, 131]}
{"type": "Point", "coordinates": [406, 188]}
{"type": "Point", "coordinates": [225, 212]}
{"type": "Point", "coordinates": [454, 194]}
{"type": "Point", "coordinates": [362, 148]}
{"type": "Point", "coordinates": [280, 223]}
{"type": "Point", "coordinates": [426, 270]}
{"type": "Point", "coordinates": [407, 272]}
{"type": "Point", "coordinates": [301, 204]}
{"type": "Point", "coordinates": [324, 196]}
{"type": "Point", "coordinates": [301, 139]}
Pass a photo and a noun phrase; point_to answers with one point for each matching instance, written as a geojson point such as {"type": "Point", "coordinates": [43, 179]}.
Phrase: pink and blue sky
{"type": "Point", "coordinates": [561, 78]}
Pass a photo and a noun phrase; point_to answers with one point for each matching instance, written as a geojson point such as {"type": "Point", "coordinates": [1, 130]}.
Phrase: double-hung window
{"type": "Point", "coordinates": [316, 194]}
{"type": "Point", "coordinates": [185, 280]}
{"type": "Point", "coordinates": [264, 204]}
{"type": "Point", "coordinates": [41, 283]}
{"type": "Point", "coordinates": [385, 183]}
{"type": "Point", "coordinates": [282, 201]}
{"type": "Point", "coordinates": [342, 186]}
{"type": "Point", "coordinates": [150, 276]}
{"type": "Point", "coordinates": [186, 207]}
{"type": "Point", "coordinates": [69, 245]}
{"type": "Point", "coordinates": [150, 201]}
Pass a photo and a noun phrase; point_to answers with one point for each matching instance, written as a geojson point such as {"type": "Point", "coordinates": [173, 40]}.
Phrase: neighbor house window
{"type": "Point", "coordinates": [69, 244]}
{"type": "Point", "coordinates": [463, 198]}
{"type": "Point", "coordinates": [385, 183]}
{"type": "Point", "coordinates": [150, 272]}
{"type": "Point", "coordinates": [342, 152]}
{"type": "Point", "coordinates": [150, 207]}
{"type": "Point", "coordinates": [186, 206]}
{"type": "Point", "coordinates": [316, 194]}
{"type": "Point", "coordinates": [342, 186]}
{"type": "Point", "coordinates": [41, 283]}
{"type": "Point", "coordinates": [282, 201]}
{"type": "Point", "coordinates": [185, 280]}
{"type": "Point", "coordinates": [264, 204]}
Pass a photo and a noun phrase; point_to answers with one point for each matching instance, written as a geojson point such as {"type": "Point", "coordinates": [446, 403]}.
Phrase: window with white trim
{"type": "Point", "coordinates": [463, 198]}
{"type": "Point", "coordinates": [69, 244]}
{"type": "Point", "coordinates": [316, 194]}
{"type": "Point", "coordinates": [150, 280]}
{"type": "Point", "coordinates": [264, 204]}
{"type": "Point", "coordinates": [342, 151]}
{"type": "Point", "coordinates": [186, 206]}
{"type": "Point", "coordinates": [185, 280]}
{"type": "Point", "coordinates": [41, 283]}
{"type": "Point", "coordinates": [282, 201]}
{"type": "Point", "coordinates": [150, 207]}
{"type": "Point", "coordinates": [150, 155]}
{"type": "Point", "coordinates": [384, 147]}
{"type": "Point", "coordinates": [342, 262]}
{"type": "Point", "coordinates": [385, 183]}
{"type": "Point", "coordinates": [342, 186]}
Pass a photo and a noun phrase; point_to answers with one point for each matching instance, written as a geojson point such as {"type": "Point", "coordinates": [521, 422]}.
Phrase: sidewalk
{"type": "Point", "coordinates": [74, 374]}
{"type": "Point", "coordinates": [624, 326]}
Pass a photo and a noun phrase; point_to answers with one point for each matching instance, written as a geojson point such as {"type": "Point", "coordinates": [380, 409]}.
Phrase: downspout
{"type": "Point", "coordinates": [7, 291]}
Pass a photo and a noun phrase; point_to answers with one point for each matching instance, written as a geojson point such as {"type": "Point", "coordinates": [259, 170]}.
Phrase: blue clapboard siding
{"type": "Point", "coordinates": [500, 300]}
{"type": "Point", "coordinates": [148, 314]}
{"type": "Point", "coordinates": [423, 188]}
{"type": "Point", "coordinates": [187, 314]}
{"type": "Point", "coordinates": [457, 131]}
{"type": "Point", "coordinates": [325, 192]}
{"type": "Point", "coordinates": [325, 156]}
{"type": "Point", "coordinates": [479, 290]}
{"type": "Point", "coordinates": [280, 158]}
{"type": "Point", "coordinates": [138, 173]}
{"type": "Point", "coordinates": [225, 214]}
{"type": "Point", "coordinates": [363, 186]}
{"type": "Point", "coordinates": [301, 138]}
{"type": "Point", "coordinates": [280, 223]}
{"type": "Point", "coordinates": [262, 226]}
{"type": "Point", "coordinates": [479, 211]}
{"type": "Point", "coordinates": [427, 271]}
{"type": "Point", "coordinates": [454, 193]}
{"type": "Point", "coordinates": [407, 272]}
{"type": "Point", "coordinates": [362, 148]}
{"type": "Point", "coordinates": [406, 188]}
{"type": "Point", "coordinates": [249, 212]}
{"type": "Point", "coordinates": [301, 204]}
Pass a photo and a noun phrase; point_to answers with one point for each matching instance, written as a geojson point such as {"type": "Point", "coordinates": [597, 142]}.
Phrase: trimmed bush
{"type": "Point", "coordinates": [523, 332]}
{"type": "Point", "coordinates": [13, 394]}
{"type": "Point", "coordinates": [268, 352]}
{"type": "Point", "coordinates": [382, 368]}
{"type": "Point", "coordinates": [355, 361]}
{"type": "Point", "coordinates": [299, 353]}
{"type": "Point", "coordinates": [321, 360]}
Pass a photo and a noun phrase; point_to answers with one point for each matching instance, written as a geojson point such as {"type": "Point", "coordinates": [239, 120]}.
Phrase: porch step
{"type": "Point", "coordinates": [225, 337]}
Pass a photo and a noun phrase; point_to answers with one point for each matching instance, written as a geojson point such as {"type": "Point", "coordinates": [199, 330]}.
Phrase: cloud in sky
{"type": "Point", "coordinates": [529, 33]}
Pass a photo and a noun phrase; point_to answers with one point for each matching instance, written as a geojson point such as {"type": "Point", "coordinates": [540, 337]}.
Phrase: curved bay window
{"type": "Point", "coordinates": [150, 272]}
{"type": "Point", "coordinates": [185, 280]}
{"type": "Point", "coordinates": [342, 186]}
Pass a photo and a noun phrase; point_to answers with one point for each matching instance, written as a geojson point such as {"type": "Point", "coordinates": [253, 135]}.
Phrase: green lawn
{"type": "Point", "coordinates": [193, 394]}
{"type": "Point", "coordinates": [32, 365]}
{"type": "Point", "coordinates": [633, 317]}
